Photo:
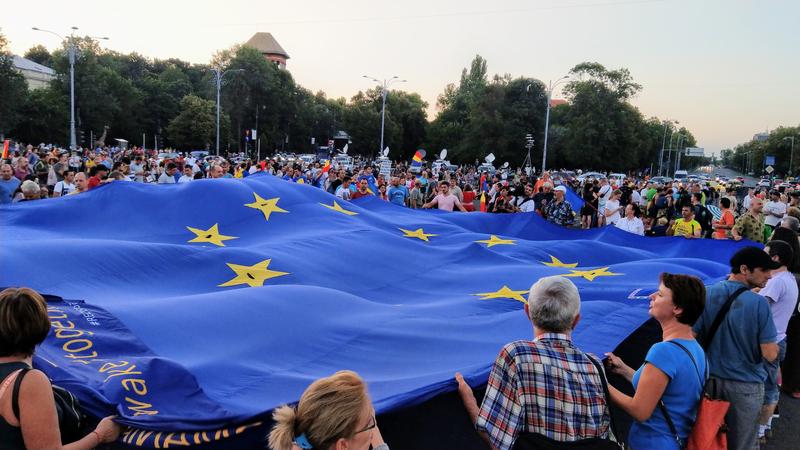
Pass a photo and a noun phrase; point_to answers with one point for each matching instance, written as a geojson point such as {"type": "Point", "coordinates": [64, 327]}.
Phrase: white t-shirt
{"type": "Point", "coordinates": [165, 178]}
{"type": "Point", "coordinates": [611, 205]}
{"type": "Point", "coordinates": [746, 202]}
{"type": "Point", "coordinates": [635, 225]}
{"type": "Point", "coordinates": [774, 207]}
{"type": "Point", "coordinates": [343, 193]}
{"type": "Point", "coordinates": [184, 179]}
{"type": "Point", "coordinates": [636, 198]}
{"type": "Point", "coordinates": [604, 195]}
{"type": "Point", "coordinates": [525, 205]}
{"type": "Point", "coordinates": [782, 290]}
{"type": "Point", "coordinates": [64, 188]}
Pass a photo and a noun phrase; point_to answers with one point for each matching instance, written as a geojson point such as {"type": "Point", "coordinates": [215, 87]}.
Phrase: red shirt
{"type": "Point", "coordinates": [358, 194]}
{"type": "Point", "coordinates": [94, 182]}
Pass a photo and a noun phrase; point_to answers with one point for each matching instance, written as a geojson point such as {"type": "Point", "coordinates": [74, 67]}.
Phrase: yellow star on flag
{"type": "Point", "coordinates": [494, 240]}
{"type": "Point", "coordinates": [418, 233]}
{"type": "Point", "coordinates": [504, 292]}
{"type": "Point", "coordinates": [254, 275]}
{"type": "Point", "coordinates": [591, 274]}
{"type": "Point", "coordinates": [338, 208]}
{"type": "Point", "coordinates": [210, 235]}
{"type": "Point", "coordinates": [555, 262]}
{"type": "Point", "coordinates": [266, 206]}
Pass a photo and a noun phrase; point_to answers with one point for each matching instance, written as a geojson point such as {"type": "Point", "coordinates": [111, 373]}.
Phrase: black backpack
{"type": "Point", "coordinates": [70, 415]}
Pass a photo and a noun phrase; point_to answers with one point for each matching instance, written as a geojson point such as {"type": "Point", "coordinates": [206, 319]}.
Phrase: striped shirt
{"type": "Point", "coordinates": [546, 386]}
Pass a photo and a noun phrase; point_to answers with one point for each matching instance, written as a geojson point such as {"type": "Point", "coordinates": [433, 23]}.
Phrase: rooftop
{"type": "Point", "coordinates": [26, 64]}
{"type": "Point", "coordinates": [265, 43]}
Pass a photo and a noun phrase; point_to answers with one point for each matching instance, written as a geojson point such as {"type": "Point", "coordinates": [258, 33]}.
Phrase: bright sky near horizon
{"type": "Point", "coordinates": [725, 69]}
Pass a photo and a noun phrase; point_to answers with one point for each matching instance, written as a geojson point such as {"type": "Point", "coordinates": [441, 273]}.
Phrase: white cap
{"type": "Point", "coordinates": [561, 188]}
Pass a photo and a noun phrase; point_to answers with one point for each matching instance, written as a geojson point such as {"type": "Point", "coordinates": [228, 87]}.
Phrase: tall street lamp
{"type": "Point", "coordinates": [218, 75]}
{"type": "Point", "coordinates": [663, 142]}
{"type": "Point", "coordinates": [791, 154]}
{"type": "Point", "coordinates": [71, 50]}
{"type": "Point", "coordinates": [384, 91]}
{"type": "Point", "coordinates": [681, 138]}
{"type": "Point", "coordinates": [547, 118]}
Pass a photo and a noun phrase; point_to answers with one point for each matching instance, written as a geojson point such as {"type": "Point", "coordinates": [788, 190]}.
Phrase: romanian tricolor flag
{"type": "Point", "coordinates": [327, 166]}
{"type": "Point", "coordinates": [416, 161]}
{"type": "Point", "coordinates": [5, 148]}
{"type": "Point", "coordinates": [483, 202]}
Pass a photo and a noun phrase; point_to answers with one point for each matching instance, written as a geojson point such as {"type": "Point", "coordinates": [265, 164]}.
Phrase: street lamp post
{"type": "Point", "coordinates": [547, 118]}
{"type": "Point", "coordinates": [384, 86]}
{"type": "Point", "coordinates": [791, 153]}
{"type": "Point", "coordinates": [681, 138]}
{"type": "Point", "coordinates": [71, 52]}
{"type": "Point", "coordinates": [663, 142]}
{"type": "Point", "coordinates": [218, 75]}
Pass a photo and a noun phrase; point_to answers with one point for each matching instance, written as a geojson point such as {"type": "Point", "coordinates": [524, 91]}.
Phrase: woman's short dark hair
{"type": "Point", "coordinates": [23, 321]}
{"type": "Point", "coordinates": [688, 293]}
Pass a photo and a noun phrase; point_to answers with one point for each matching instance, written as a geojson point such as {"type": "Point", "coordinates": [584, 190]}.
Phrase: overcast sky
{"type": "Point", "coordinates": [726, 69]}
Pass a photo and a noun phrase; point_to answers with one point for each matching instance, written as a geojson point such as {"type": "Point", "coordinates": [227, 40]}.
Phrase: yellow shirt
{"type": "Point", "coordinates": [684, 228]}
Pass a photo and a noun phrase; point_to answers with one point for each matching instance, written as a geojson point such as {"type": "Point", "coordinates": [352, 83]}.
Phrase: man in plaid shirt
{"type": "Point", "coordinates": [545, 386]}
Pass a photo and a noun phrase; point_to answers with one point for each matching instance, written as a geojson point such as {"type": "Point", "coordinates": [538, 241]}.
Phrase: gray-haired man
{"type": "Point", "coordinates": [546, 386]}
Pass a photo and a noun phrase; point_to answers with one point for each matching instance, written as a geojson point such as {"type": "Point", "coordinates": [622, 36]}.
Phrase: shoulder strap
{"type": "Point", "coordinates": [671, 425]}
{"type": "Point", "coordinates": [720, 317]}
{"type": "Point", "coordinates": [604, 381]}
{"type": "Point", "coordinates": [15, 394]}
{"type": "Point", "coordinates": [696, 369]}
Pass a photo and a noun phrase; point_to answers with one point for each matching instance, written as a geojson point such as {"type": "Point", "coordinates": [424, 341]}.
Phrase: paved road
{"type": "Point", "coordinates": [786, 433]}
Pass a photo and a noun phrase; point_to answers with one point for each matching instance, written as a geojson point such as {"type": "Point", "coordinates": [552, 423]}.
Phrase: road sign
{"type": "Point", "coordinates": [769, 169]}
{"type": "Point", "coordinates": [695, 151]}
{"type": "Point", "coordinates": [769, 160]}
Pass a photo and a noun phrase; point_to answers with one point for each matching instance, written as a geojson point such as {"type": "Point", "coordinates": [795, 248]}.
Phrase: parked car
{"type": "Point", "coordinates": [487, 168]}
{"type": "Point", "coordinates": [681, 175]}
{"type": "Point", "coordinates": [764, 182]}
{"type": "Point", "coordinates": [661, 180]}
{"type": "Point", "coordinates": [590, 176]}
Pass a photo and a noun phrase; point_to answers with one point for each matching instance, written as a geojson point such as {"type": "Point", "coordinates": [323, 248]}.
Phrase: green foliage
{"type": "Point", "coordinates": [13, 90]}
{"type": "Point", "coordinates": [194, 128]}
{"type": "Point", "coordinates": [132, 94]}
{"type": "Point", "coordinates": [751, 156]}
{"type": "Point", "coordinates": [40, 54]}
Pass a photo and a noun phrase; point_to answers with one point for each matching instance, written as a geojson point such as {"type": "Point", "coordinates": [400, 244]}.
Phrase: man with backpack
{"type": "Point", "coordinates": [745, 339]}
{"type": "Point", "coordinates": [702, 214]}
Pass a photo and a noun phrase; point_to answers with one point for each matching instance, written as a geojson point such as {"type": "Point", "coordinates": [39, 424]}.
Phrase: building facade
{"type": "Point", "coordinates": [36, 75]}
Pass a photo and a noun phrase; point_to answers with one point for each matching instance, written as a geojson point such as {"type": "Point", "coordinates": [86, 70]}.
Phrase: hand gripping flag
{"type": "Point", "coordinates": [180, 316]}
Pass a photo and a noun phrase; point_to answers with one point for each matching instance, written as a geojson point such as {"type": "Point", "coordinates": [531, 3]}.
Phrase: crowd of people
{"type": "Point", "coordinates": [541, 391]}
{"type": "Point", "coordinates": [636, 204]}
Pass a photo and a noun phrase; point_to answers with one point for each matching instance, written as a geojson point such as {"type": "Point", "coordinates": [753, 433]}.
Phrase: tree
{"type": "Point", "coordinates": [39, 54]}
{"type": "Point", "coordinates": [195, 126]}
{"type": "Point", "coordinates": [480, 116]}
{"type": "Point", "coordinates": [13, 89]}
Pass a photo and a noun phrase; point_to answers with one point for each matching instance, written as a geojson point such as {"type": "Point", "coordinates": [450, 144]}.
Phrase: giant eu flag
{"type": "Point", "coordinates": [207, 304]}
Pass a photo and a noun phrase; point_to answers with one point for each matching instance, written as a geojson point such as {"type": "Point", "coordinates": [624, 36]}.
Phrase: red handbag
{"type": "Point", "coordinates": [709, 431]}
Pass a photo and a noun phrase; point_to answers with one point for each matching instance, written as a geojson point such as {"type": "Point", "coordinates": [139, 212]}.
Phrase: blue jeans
{"type": "Point", "coordinates": [771, 392]}
{"type": "Point", "coordinates": [742, 418]}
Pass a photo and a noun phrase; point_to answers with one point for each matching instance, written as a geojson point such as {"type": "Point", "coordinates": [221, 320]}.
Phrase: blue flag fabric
{"type": "Point", "coordinates": [207, 304]}
{"type": "Point", "coordinates": [575, 200]}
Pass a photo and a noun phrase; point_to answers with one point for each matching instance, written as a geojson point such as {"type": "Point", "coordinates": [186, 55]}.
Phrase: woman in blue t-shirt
{"type": "Point", "coordinates": [669, 373]}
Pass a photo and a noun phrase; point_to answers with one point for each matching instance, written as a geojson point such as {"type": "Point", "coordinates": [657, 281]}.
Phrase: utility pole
{"type": "Point", "coordinates": [547, 118]}
{"type": "Point", "coordinates": [384, 92]}
{"type": "Point", "coordinates": [71, 53]}
{"type": "Point", "coordinates": [218, 75]}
